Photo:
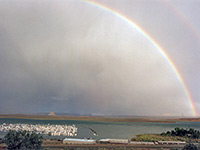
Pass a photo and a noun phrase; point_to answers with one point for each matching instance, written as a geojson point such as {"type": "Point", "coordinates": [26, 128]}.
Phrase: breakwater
{"type": "Point", "coordinates": [54, 130]}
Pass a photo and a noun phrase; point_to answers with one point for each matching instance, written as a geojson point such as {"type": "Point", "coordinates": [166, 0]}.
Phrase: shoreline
{"type": "Point", "coordinates": [99, 118]}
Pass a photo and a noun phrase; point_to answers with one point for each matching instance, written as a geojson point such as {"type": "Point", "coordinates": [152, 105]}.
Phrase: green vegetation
{"type": "Point", "coordinates": [195, 134]}
{"type": "Point", "coordinates": [178, 134]}
{"type": "Point", "coordinates": [23, 140]}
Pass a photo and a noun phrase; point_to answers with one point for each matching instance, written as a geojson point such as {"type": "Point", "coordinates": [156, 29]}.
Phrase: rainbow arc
{"type": "Point", "coordinates": [155, 44]}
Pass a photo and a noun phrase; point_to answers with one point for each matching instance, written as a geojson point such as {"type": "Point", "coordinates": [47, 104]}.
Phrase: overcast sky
{"type": "Point", "coordinates": [72, 57]}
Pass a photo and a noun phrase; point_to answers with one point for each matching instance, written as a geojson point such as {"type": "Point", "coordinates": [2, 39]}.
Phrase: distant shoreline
{"type": "Point", "coordinates": [100, 118]}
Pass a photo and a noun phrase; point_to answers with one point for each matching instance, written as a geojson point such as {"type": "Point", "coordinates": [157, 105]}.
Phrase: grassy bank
{"type": "Point", "coordinates": [157, 137]}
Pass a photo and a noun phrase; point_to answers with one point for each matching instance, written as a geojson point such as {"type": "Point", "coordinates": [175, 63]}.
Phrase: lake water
{"type": "Point", "coordinates": [109, 129]}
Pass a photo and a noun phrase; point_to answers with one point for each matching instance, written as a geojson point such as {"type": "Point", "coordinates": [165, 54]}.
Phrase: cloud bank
{"type": "Point", "coordinates": [69, 57]}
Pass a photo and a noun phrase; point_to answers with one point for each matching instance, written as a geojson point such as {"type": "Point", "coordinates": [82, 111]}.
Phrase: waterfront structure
{"type": "Point", "coordinates": [141, 143]}
{"type": "Point", "coordinates": [114, 141]}
{"type": "Point", "coordinates": [172, 142]}
{"type": "Point", "coordinates": [78, 141]}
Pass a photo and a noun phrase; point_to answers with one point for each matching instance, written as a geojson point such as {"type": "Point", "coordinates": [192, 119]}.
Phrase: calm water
{"type": "Point", "coordinates": [108, 129]}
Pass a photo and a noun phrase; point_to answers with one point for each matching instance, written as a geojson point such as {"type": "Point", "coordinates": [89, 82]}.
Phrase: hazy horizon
{"type": "Point", "coordinates": [96, 115]}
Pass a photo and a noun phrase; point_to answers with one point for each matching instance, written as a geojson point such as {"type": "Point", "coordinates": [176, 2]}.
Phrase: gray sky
{"type": "Point", "coordinates": [73, 57]}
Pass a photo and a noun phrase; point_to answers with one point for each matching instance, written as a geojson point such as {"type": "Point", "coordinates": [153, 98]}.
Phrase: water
{"type": "Point", "coordinates": [108, 129]}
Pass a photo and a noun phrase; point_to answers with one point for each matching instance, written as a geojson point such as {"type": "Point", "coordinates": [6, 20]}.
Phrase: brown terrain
{"type": "Point", "coordinates": [101, 118]}
{"type": "Point", "coordinates": [58, 145]}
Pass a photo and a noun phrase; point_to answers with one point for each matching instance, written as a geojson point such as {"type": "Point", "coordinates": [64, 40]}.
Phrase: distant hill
{"type": "Point", "coordinates": [51, 114]}
{"type": "Point", "coordinates": [64, 114]}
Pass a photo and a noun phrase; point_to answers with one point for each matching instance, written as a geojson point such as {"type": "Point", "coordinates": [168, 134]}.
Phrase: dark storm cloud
{"type": "Point", "coordinates": [71, 57]}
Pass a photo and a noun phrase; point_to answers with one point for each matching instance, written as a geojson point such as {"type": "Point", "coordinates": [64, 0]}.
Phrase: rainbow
{"type": "Point", "coordinates": [184, 19]}
{"type": "Point", "coordinates": [154, 43]}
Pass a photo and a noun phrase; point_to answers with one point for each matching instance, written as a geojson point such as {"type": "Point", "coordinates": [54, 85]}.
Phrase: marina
{"type": "Point", "coordinates": [85, 135]}
{"type": "Point", "coordinates": [53, 130]}
{"type": "Point", "coordinates": [104, 130]}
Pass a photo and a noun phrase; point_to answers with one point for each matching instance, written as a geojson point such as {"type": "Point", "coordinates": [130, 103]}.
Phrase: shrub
{"type": "Point", "coordinates": [190, 146]}
{"type": "Point", "coordinates": [195, 134]}
{"type": "Point", "coordinates": [23, 140]}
